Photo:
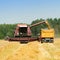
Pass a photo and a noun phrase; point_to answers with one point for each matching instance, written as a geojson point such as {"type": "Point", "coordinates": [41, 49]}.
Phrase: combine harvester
{"type": "Point", "coordinates": [23, 33]}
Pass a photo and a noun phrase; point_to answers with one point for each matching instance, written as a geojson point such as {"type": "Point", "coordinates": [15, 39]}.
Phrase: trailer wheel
{"type": "Point", "coordinates": [51, 41]}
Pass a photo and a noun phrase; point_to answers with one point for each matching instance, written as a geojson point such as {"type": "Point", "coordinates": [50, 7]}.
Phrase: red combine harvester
{"type": "Point", "coordinates": [23, 33]}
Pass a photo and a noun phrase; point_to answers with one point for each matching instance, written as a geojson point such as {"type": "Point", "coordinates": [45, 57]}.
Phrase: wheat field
{"type": "Point", "coordinates": [31, 51]}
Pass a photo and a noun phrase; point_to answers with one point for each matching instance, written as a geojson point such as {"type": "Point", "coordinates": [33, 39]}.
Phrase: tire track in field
{"type": "Point", "coordinates": [44, 54]}
{"type": "Point", "coordinates": [55, 52]}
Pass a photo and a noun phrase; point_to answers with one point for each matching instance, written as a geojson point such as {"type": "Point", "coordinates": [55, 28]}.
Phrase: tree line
{"type": "Point", "coordinates": [8, 29]}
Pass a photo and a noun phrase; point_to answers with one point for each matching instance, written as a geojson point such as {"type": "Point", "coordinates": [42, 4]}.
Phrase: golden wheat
{"type": "Point", "coordinates": [31, 51]}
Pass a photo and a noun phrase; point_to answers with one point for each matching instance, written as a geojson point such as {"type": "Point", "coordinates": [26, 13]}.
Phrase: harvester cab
{"type": "Point", "coordinates": [22, 30]}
